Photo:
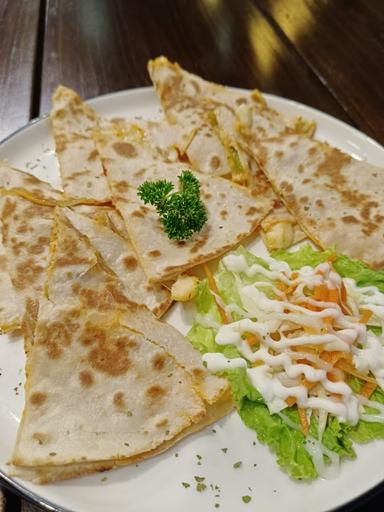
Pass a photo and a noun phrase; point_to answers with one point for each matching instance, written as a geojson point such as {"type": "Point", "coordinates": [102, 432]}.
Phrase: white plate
{"type": "Point", "coordinates": [156, 484]}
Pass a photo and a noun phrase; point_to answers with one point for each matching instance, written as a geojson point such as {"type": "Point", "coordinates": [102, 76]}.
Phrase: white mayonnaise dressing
{"type": "Point", "coordinates": [217, 362]}
{"type": "Point", "coordinates": [273, 368]}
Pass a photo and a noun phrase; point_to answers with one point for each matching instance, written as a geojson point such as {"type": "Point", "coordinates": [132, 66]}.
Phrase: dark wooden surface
{"type": "Point", "coordinates": [327, 54]}
{"type": "Point", "coordinates": [18, 44]}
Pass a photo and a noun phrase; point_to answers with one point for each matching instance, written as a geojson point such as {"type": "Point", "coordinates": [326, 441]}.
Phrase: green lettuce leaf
{"type": "Point", "coordinates": [287, 443]}
{"type": "Point", "coordinates": [335, 436]}
{"type": "Point", "coordinates": [345, 266]}
{"type": "Point", "coordinates": [203, 338]}
{"type": "Point", "coordinates": [366, 431]}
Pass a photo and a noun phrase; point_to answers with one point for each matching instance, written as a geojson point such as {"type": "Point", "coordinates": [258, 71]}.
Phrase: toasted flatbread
{"type": "Point", "coordinates": [16, 182]}
{"type": "Point", "coordinates": [233, 212]}
{"type": "Point", "coordinates": [80, 167]}
{"type": "Point", "coordinates": [336, 199]}
{"type": "Point", "coordinates": [236, 120]}
{"type": "Point", "coordinates": [117, 253]}
{"type": "Point", "coordinates": [139, 388]}
{"type": "Point", "coordinates": [26, 231]}
{"type": "Point", "coordinates": [11, 304]}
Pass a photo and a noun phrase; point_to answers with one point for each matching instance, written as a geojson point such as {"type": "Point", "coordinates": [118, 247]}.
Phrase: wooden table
{"type": "Point", "coordinates": [327, 54]}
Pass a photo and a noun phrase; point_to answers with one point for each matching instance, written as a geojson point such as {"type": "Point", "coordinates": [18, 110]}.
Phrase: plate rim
{"type": "Point", "coordinates": [12, 485]}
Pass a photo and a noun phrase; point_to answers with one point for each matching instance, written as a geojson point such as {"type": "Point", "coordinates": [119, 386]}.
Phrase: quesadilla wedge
{"type": "Point", "coordinates": [237, 120]}
{"type": "Point", "coordinates": [336, 199]}
{"type": "Point", "coordinates": [126, 396]}
{"type": "Point", "coordinates": [129, 160]}
{"type": "Point", "coordinates": [76, 275]}
{"type": "Point", "coordinates": [80, 167]}
{"type": "Point", "coordinates": [140, 391]}
{"type": "Point", "coordinates": [119, 256]}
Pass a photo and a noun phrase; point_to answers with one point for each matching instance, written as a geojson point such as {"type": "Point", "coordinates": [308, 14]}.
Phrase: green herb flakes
{"type": "Point", "coordinates": [246, 499]}
{"type": "Point", "coordinates": [238, 465]}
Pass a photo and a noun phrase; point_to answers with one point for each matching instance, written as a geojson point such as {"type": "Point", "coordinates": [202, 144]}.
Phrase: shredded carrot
{"type": "Point", "coordinates": [333, 377]}
{"type": "Point", "coordinates": [343, 299]}
{"type": "Point", "coordinates": [311, 308]}
{"type": "Point", "coordinates": [328, 319]}
{"type": "Point", "coordinates": [333, 295]}
{"type": "Point", "coordinates": [332, 357]}
{"type": "Point", "coordinates": [307, 383]}
{"type": "Point", "coordinates": [320, 292]}
{"type": "Point", "coordinates": [343, 293]}
{"type": "Point", "coordinates": [332, 258]}
{"type": "Point", "coordinates": [252, 340]}
{"type": "Point", "coordinates": [342, 364]}
{"type": "Point", "coordinates": [291, 400]}
{"type": "Point", "coordinates": [213, 287]}
{"type": "Point", "coordinates": [365, 316]}
{"type": "Point", "coordinates": [294, 275]}
{"type": "Point", "coordinates": [367, 389]}
{"type": "Point", "coordinates": [303, 421]}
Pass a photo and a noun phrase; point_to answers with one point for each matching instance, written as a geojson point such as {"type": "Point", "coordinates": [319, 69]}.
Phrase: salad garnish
{"type": "Point", "coordinates": [301, 343]}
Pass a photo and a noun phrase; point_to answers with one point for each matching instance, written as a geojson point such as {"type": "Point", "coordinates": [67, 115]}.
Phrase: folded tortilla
{"type": "Point", "coordinates": [20, 183]}
{"type": "Point", "coordinates": [236, 120]}
{"type": "Point", "coordinates": [336, 199]}
{"type": "Point", "coordinates": [130, 159]}
{"type": "Point", "coordinates": [80, 167]}
{"type": "Point", "coordinates": [141, 385]}
{"type": "Point", "coordinates": [118, 255]}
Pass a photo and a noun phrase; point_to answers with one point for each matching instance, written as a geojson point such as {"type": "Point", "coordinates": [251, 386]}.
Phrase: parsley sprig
{"type": "Point", "coordinates": [182, 213]}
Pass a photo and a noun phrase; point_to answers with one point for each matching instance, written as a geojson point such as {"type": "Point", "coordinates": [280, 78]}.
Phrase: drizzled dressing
{"type": "Point", "coordinates": [273, 368]}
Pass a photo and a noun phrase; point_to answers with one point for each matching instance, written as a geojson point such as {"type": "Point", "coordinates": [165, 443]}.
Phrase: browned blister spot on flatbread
{"type": "Point", "coordinates": [332, 166]}
{"type": "Point", "coordinates": [41, 437]}
{"type": "Point", "coordinates": [92, 334]}
{"type": "Point", "coordinates": [215, 162]}
{"type": "Point", "coordinates": [158, 362]}
{"type": "Point", "coordinates": [366, 209]}
{"type": "Point", "coordinates": [38, 398]}
{"type": "Point", "coordinates": [8, 208]}
{"type": "Point", "coordinates": [154, 254]}
{"type": "Point", "coordinates": [93, 155]}
{"type": "Point", "coordinates": [54, 337]}
{"type": "Point", "coordinates": [161, 423]}
{"type": "Point", "coordinates": [350, 219]}
{"type": "Point", "coordinates": [121, 186]}
{"type": "Point", "coordinates": [40, 245]}
{"type": "Point", "coordinates": [155, 392]}
{"type": "Point", "coordinates": [125, 149]}
{"type": "Point", "coordinates": [28, 272]}
{"type": "Point", "coordinates": [130, 263]}
{"type": "Point", "coordinates": [111, 358]}
{"type": "Point", "coordinates": [119, 400]}
{"type": "Point", "coordinates": [86, 379]}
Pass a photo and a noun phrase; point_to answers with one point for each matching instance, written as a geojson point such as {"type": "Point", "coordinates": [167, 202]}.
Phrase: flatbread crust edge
{"type": "Point", "coordinates": [51, 474]}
